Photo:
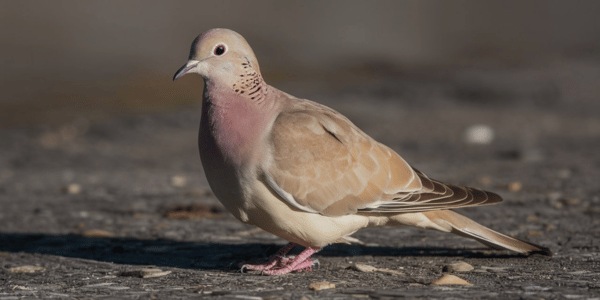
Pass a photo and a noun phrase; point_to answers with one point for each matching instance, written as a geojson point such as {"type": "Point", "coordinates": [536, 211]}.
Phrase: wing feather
{"type": "Point", "coordinates": [322, 163]}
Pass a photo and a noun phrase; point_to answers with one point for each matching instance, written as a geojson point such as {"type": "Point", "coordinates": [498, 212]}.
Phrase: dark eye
{"type": "Point", "coordinates": [219, 50]}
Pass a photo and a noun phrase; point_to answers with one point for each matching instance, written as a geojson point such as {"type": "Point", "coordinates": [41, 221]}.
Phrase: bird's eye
{"type": "Point", "coordinates": [219, 50]}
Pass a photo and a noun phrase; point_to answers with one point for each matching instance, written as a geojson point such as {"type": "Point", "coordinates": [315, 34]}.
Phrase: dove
{"type": "Point", "coordinates": [304, 172]}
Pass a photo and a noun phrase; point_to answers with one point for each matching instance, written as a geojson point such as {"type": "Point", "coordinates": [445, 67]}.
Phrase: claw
{"type": "Point", "coordinates": [243, 269]}
{"type": "Point", "coordinates": [315, 264]}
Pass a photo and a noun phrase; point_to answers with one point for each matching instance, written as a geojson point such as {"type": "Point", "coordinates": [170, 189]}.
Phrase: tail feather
{"type": "Point", "coordinates": [466, 227]}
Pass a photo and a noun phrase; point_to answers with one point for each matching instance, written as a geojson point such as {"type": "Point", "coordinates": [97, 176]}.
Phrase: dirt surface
{"type": "Point", "coordinates": [86, 207]}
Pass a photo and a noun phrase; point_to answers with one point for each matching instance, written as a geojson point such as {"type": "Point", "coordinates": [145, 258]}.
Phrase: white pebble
{"type": "Point", "coordinates": [448, 279]}
{"type": "Point", "coordinates": [72, 189]}
{"type": "Point", "coordinates": [321, 285]}
{"type": "Point", "coordinates": [178, 181]}
{"type": "Point", "coordinates": [479, 134]}
{"type": "Point", "coordinates": [459, 266]}
{"type": "Point", "coordinates": [26, 269]}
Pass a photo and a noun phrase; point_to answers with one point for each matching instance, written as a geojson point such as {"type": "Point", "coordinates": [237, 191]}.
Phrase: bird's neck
{"type": "Point", "coordinates": [234, 122]}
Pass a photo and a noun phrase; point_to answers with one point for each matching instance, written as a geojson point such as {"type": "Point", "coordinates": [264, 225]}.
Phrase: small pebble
{"type": "Point", "coordinates": [390, 271]}
{"type": "Point", "coordinates": [459, 266]}
{"type": "Point", "coordinates": [178, 181]}
{"type": "Point", "coordinates": [534, 233]}
{"type": "Point", "coordinates": [557, 204]}
{"type": "Point", "coordinates": [370, 269]}
{"type": "Point", "coordinates": [479, 134]}
{"type": "Point", "coordinates": [248, 297]}
{"type": "Point", "coordinates": [97, 233]}
{"type": "Point", "coordinates": [72, 189]}
{"type": "Point", "coordinates": [495, 269]}
{"type": "Point", "coordinates": [151, 273]}
{"type": "Point", "coordinates": [448, 279]}
{"type": "Point", "coordinates": [97, 285]}
{"type": "Point", "coordinates": [363, 268]}
{"type": "Point", "coordinates": [26, 269]}
{"type": "Point", "coordinates": [515, 186]}
{"type": "Point", "coordinates": [485, 180]}
{"type": "Point", "coordinates": [145, 273]}
{"type": "Point", "coordinates": [321, 285]}
{"type": "Point", "coordinates": [117, 287]}
{"type": "Point", "coordinates": [579, 272]}
{"type": "Point", "coordinates": [572, 201]}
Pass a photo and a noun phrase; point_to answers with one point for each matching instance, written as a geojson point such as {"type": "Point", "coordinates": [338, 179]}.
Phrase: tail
{"type": "Point", "coordinates": [461, 225]}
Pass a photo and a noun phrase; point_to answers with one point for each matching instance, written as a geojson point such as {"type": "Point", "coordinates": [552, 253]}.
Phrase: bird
{"type": "Point", "coordinates": [304, 172]}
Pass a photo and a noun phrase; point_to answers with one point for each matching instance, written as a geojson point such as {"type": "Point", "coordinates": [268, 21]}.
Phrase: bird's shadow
{"type": "Point", "coordinates": [194, 255]}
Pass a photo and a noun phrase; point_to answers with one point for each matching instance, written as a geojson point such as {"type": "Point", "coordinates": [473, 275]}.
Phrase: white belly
{"type": "Point", "coordinates": [271, 214]}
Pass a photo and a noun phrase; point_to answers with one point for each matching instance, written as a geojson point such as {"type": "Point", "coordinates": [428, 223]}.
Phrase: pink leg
{"type": "Point", "coordinates": [277, 259]}
{"type": "Point", "coordinates": [301, 262]}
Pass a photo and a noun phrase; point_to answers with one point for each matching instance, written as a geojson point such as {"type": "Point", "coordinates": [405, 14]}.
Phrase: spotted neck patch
{"type": "Point", "coordinates": [250, 83]}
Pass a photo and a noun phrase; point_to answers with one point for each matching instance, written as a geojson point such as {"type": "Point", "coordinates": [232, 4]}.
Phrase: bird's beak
{"type": "Point", "coordinates": [190, 65]}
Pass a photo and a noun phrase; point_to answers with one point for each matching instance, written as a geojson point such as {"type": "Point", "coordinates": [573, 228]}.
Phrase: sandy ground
{"type": "Point", "coordinates": [86, 206]}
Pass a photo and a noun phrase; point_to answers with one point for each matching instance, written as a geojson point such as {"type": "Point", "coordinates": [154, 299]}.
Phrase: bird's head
{"type": "Point", "coordinates": [220, 55]}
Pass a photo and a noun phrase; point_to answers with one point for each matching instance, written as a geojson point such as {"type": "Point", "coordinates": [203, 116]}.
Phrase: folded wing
{"type": "Point", "coordinates": [322, 163]}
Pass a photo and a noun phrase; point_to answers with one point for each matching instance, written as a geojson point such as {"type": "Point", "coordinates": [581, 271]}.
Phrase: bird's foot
{"type": "Point", "coordinates": [279, 264]}
{"type": "Point", "coordinates": [300, 263]}
{"type": "Point", "coordinates": [277, 260]}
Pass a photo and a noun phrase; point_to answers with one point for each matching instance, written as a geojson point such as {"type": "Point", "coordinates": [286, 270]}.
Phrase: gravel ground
{"type": "Point", "coordinates": [120, 208]}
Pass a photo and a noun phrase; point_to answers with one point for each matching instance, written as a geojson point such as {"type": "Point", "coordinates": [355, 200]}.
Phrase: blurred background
{"type": "Point", "coordinates": [91, 59]}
